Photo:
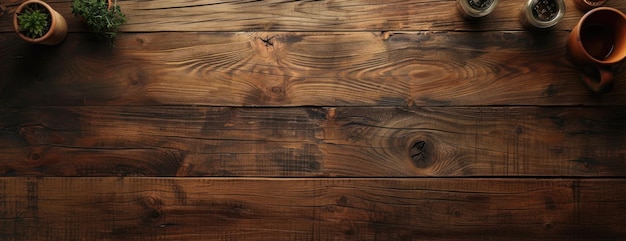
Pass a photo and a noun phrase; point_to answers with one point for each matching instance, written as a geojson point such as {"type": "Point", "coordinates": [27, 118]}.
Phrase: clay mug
{"type": "Point", "coordinates": [596, 43]}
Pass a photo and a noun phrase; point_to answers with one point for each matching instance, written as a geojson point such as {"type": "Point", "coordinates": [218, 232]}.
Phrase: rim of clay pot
{"type": "Point", "coordinates": [527, 11]}
{"type": "Point", "coordinates": [582, 20]}
{"type": "Point", "coordinates": [16, 27]}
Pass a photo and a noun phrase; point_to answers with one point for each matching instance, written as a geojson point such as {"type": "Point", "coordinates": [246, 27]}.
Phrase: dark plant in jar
{"type": "Point", "coordinates": [545, 10]}
{"type": "Point", "coordinates": [480, 4]}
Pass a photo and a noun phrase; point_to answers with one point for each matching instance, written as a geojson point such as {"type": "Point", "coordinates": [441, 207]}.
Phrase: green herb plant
{"type": "Point", "coordinates": [34, 21]}
{"type": "Point", "coordinates": [100, 19]}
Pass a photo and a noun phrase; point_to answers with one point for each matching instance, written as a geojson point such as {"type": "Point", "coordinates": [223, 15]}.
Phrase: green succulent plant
{"type": "Point", "coordinates": [34, 22]}
{"type": "Point", "coordinates": [101, 19]}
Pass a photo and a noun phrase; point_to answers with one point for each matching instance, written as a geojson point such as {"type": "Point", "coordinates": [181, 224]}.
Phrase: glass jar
{"type": "Point", "coordinates": [587, 5]}
{"type": "Point", "coordinates": [473, 9]}
{"type": "Point", "coordinates": [542, 13]}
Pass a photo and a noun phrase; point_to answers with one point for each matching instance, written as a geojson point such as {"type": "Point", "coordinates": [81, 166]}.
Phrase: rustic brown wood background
{"type": "Point", "coordinates": [308, 120]}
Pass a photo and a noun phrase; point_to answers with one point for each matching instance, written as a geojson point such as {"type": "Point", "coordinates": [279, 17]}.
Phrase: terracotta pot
{"type": "Point", "coordinates": [596, 43]}
{"type": "Point", "coordinates": [587, 5]}
{"type": "Point", "coordinates": [58, 26]}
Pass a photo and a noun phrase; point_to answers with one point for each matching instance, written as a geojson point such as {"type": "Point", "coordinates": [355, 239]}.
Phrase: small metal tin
{"type": "Point", "coordinates": [542, 13]}
{"type": "Point", "coordinates": [587, 5]}
{"type": "Point", "coordinates": [473, 9]}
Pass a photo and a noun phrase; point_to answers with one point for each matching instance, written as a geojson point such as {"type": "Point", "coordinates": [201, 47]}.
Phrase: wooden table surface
{"type": "Point", "coordinates": [308, 120]}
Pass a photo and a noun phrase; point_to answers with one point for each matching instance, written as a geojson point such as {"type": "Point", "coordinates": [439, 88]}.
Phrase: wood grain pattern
{"type": "Point", "coordinates": [311, 141]}
{"type": "Point", "coordinates": [310, 69]}
{"type": "Point", "coordinates": [308, 120]}
{"type": "Point", "coordinates": [311, 209]}
{"type": "Point", "coordinates": [304, 15]}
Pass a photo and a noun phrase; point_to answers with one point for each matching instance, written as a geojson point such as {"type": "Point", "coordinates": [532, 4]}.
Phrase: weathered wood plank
{"type": "Point", "coordinates": [311, 209]}
{"type": "Point", "coordinates": [278, 15]}
{"type": "Point", "coordinates": [308, 141]}
{"type": "Point", "coordinates": [295, 69]}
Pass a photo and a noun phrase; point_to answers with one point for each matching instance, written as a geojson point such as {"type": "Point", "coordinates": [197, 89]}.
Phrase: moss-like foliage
{"type": "Point", "coordinates": [100, 19]}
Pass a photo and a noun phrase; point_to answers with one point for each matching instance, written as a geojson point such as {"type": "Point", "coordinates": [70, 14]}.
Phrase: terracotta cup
{"type": "Point", "coordinates": [596, 43]}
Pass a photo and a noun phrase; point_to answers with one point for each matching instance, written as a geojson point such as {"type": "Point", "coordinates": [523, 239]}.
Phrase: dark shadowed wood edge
{"type": "Point", "coordinates": [311, 209]}
{"type": "Point", "coordinates": [300, 69]}
{"type": "Point", "coordinates": [312, 141]}
{"type": "Point", "coordinates": [277, 15]}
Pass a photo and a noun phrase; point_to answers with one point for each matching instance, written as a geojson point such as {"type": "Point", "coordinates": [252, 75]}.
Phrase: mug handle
{"type": "Point", "coordinates": [603, 84]}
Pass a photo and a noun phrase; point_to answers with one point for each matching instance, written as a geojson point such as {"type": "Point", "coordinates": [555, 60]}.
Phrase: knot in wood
{"type": "Point", "coordinates": [34, 156]}
{"type": "Point", "coordinates": [417, 148]}
{"type": "Point", "coordinates": [548, 226]}
{"type": "Point", "coordinates": [342, 201]}
{"type": "Point", "coordinates": [150, 201]}
{"type": "Point", "coordinates": [268, 41]}
{"type": "Point", "coordinates": [416, 152]}
{"type": "Point", "coordinates": [277, 90]}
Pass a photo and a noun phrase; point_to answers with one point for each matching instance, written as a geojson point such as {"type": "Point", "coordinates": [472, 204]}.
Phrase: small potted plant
{"type": "Point", "coordinates": [36, 22]}
{"type": "Point", "coordinates": [103, 17]}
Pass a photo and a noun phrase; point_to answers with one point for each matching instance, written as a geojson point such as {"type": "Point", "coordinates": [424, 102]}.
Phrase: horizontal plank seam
{"type": "Point", "coordinates": [316, 106]}
{"type": "Point", "coordinates": [323, 31]}
{"type": "Point", "coordinates": [286, 178]}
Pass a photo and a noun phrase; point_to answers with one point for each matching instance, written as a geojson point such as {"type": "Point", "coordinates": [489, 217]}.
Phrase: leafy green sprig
{"type": "Point", "coordinates": [100, 19]}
